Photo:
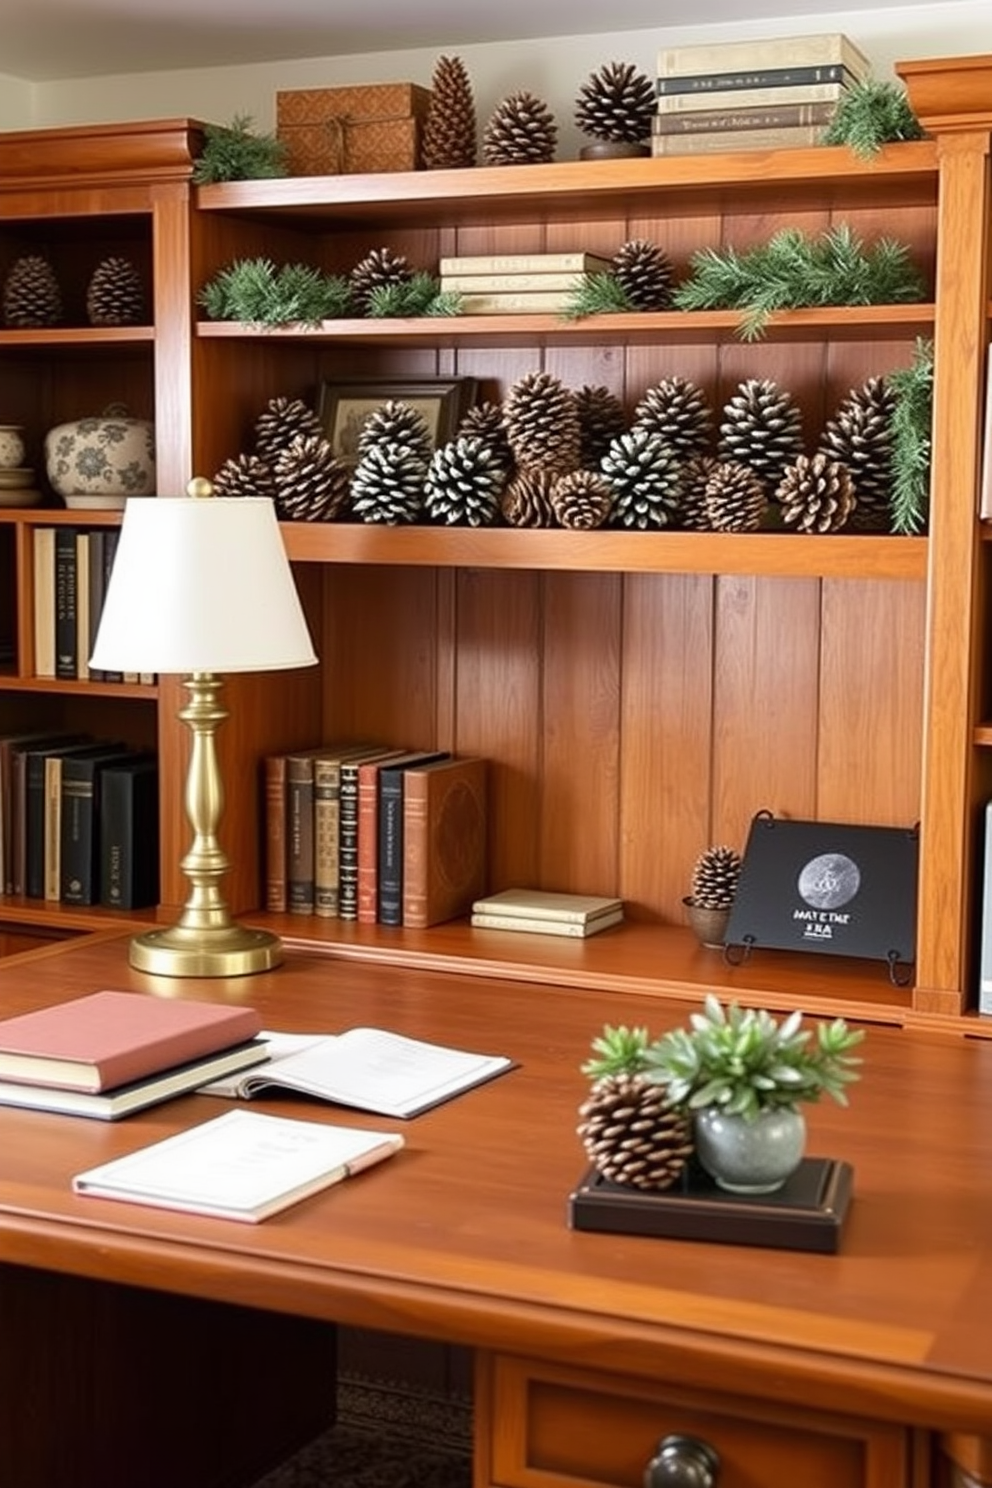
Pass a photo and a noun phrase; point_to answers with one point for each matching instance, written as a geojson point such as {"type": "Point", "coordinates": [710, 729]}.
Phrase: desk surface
{"type": "Point", "coordinates": [464, 1235]}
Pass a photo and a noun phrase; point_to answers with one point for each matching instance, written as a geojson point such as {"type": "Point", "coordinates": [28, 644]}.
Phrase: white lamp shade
{"type": "Point", "coordinates": [201, 584]}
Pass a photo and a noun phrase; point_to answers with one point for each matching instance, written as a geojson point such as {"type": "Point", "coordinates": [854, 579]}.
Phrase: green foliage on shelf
{"type": "Point", "coordinates": [233, 152]}
{"type": "Point", "coordinates": [872, 114]}
{"type": "Point", "coordinates": [254, 290]}
{"type": "Point", "coordinates": [911, 428]}
{"type": "Point", "coordinates": [418, 295]}
{"type": "Point", "coordinates": [596, 294]}
{"type": "Point", "coordinates": [792, 271]}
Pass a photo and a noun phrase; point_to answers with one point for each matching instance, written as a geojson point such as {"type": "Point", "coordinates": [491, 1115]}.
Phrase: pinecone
{"type": "Point", "coordinates": [696, 472]}
{"type": "Point", "coordinates": [521, 131]}
{"type": "Point", "coordinates": [464, 482]}
{"type": "Point", "coordinates": [526, 502]}
{"type": "Point", "coordinates": [644, 273]}
{"type": "Point", "coordinates": [816, 494]}
{"type": "Point", "coordinates": [581, 499]}
{"type": "Point", "coordinates": [762, 429]}
{"type": "Point", "coordinates": [311, 483]}
{"type": "Point", "coordinates": [860, 437]}
{"type": "Point", "coordinates": [734, 498]}
{"type": "Point", "coordinates": [601, 419]}
{"type": "Point", "coordinates": [378, 269]}
{"type": "Point", "coordinates": [541, 421]}
{"type": "Point", "coordinates": [388, 485]}
{"type": "Point", "coordinates": [715, 876]}
{"type": "Point", "coordinates": [281, 421]}
{"type": "Point", "coordinates": [31, 294]}
{"type": "Point", "coordinates": [645, 476]}
{"type": "Point", "coordinates": [396, 423]}
{"type": "Point", "coordinates": [449, 129]}
{"type": "Point", "coordinates": [679, 411]}
{"type": "Point", "coordinates": [485, 421]}
{"type": "Point", "coordinates": [244, 475]}
{"type": "Point", "coordinates": [616, 103]}
{"type": "Point", "coordinates": [632, 1135]}
{"type": "Point", "coordinates": [115, 294]}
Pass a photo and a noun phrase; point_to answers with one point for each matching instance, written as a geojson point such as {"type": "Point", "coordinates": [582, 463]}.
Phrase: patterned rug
{"type": "Point", "coordinates": [386, 1434]}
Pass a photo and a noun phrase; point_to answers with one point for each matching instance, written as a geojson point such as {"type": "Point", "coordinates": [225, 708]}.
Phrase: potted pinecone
{"type": "Point", "coordinates": [631, 1132]}
{"type": "Point", "coordinates": [715, 876]}
{"type": "Point", "coordinates": [615, 107]}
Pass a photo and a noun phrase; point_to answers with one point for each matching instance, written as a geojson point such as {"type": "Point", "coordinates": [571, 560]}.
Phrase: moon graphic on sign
{"type": "Point", "coordinates": [829, 881]}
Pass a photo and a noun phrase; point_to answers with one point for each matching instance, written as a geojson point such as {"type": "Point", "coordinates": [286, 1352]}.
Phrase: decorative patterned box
{"type": "Point", "coordinates": [346, 131]}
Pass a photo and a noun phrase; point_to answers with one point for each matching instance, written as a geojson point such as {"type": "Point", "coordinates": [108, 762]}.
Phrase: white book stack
{"type": "Point", "coordinates": [541, 912]}
{"type": "Point", "coordinates": [517, 283]}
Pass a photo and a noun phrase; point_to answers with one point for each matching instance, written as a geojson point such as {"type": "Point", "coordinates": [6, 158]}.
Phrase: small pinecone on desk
{"type": "Point", "coordinates": [632, 1135]}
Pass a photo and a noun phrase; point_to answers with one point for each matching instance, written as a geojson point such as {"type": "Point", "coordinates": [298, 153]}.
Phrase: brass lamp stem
{"type": "Point", "coordinates": [205, 941]}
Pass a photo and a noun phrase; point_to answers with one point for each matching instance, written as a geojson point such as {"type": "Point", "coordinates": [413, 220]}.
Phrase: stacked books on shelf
{"type": "Point", "coordinates": [71, 570]}
{"type": "Point", "coordinates": [78, 820]}
{"type": "Point", "coordinates": [374, 833]}
{"type": "Point", "coordinates": [517, 283]}
{"type": "Point", "coordinates": [750, 95]}
{"type": "Point", "coordinates": [108, 1053]}
{"type": "Point", "coordinates": [541, 912]}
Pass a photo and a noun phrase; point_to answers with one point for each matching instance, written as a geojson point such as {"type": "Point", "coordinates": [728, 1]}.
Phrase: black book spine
{"type": "Point", "coordinates": [65, 602]}
{"type": "Point", "coordinates": [79, 839]}
{"type": "Point", "coordinates": [111, 537]}
{"type": "Point", "coordinates": [129, 837]}
{"type": "Point", "coordinates": [390, 890]}
{"type": "Point", "coordinates": [34, 824]}
{"type": "Point", "coordinates": [300, 880]}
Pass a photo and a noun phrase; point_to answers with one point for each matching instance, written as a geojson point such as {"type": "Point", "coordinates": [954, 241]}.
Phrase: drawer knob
{"type": "Point", "coordinates": [682, 1462]}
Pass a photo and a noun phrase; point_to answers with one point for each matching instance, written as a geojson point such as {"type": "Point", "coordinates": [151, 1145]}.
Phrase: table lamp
{"type": "Point", "coordinates": [201, 586]}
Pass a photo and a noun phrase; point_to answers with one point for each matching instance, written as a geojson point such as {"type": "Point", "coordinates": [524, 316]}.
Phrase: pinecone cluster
{"type": "Point", "coordinates": [292, 463]}
{"type": "Point", "coordinates": [715, 876]}
{"type": "Point", "coordinates": [632, 1135]}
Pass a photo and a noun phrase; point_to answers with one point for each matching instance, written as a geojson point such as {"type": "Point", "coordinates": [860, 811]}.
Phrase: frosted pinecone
{"type": "Point", "coordinates": [616, 103]}
{"type": "Point", "coordinates": [378, 269]}
{"type": "Point", "coordinates": [581, 499]}
{"type": "Point", "coordinates": [645, 476]}
{"type": "Point", "coordinates": [280, 422]}
{"type": "Point", "coordinates": [311, 483]}
{"type": "Point", "coordinates": [632, 1135]}
{"type": "Point", "coordinates": [464, 483]}
{"type": "Point", "coordinates": [680, 411]}
{"type": "Point", "coordinates": [244, 475]}
{"type": "Point", "coordinates": [734, 497]}
{"type": "Point", "coordinates": [387, 485]}
{"type": "Point", "coordinates": [601, 419]}
{"type": "Point", "coordinates": [715, 877]}
{"type": "Point", "coordinates": [644, 272]}
{"type": "Point", "coordinates": [696, 472]}
{"type": "Point", "coordinates": [31, 294]}
{"type": "Point", "coordinates": [526, 501]}
{"type": "Point", "coordinates": [521, 131]}
{"type": "Point", "coordinates": [761, 428]}
{"type": "Point", "coordinates": [816, 494]}
{"type": "Point", "coordinates": [396, 423]}
{"type": "Point", "coordinates": [541, 421]}
{"type": "Point", "coordinates": [449, 129]}
{"type": "Point", "coordinates": [115, 294]}
{"type": "Point", "coordinates": [859, 436]}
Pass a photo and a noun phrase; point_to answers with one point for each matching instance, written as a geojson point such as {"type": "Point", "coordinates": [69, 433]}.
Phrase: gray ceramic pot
{"type": "Point", "coordinates": [750, 1157]}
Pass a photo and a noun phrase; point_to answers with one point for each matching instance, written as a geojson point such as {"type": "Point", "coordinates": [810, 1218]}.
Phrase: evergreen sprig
{"type": "Point", "coordinates": [233, 152]}
{"type": "Point", "coordinates": [418, 295]}
{"type": "Point", "coordinates": [911, 431]}
{"type": "Point", "coordinates": [256, 291]}
{"type": "Point", "coordinates": [792, 271]}
{"type": "Point", "coordinates": [872, 114]}
{"type": "Point", "coordinates": [596, 294]}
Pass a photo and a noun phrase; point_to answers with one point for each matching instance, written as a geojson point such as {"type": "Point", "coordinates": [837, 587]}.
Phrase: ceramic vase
{"type": "Point", "coordinates": [11, 446]}
{"type": "Point", "coordinates": [101, 461]}
{"type": "Point", "coordinates": [750, 1157]}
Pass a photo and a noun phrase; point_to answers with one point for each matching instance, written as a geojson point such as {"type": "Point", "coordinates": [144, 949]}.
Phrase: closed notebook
{"type": "Point", "coordinates": [543, 904]}
{"type": "Point", "coordinates": [105, 1039]}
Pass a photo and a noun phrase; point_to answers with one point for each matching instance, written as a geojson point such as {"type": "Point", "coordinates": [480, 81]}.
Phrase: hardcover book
{"type": "Point", "coordinates": [392, 781]}
{"type": "Point", "coordinates": [525, 263]}
{"type": "Point", "coordinates": [79, 839]}
{"type": "Point", "coordinates": [522, 302]}
{"type": "Point", "coordinates": [34, 764]}
{"type": "Point", "coordinates": [327, 768]}
{"type": "Point", "coordinates": [511, 283]}
{"type": "Point", "coordinates": [129, 833]}
{"type": "Point", "coordinates": [83, 606]}
{"type": "Point", "coordinates": [274, 817]}
{"type": "Point", "coordinates": [367, 847]}
{"type": "Point", "coordinates": [530, 926]}
{"type": "Point", "coordinates": [754, 97]}
{"type": "Point", "coordinates": [444, 839]}
{"type": "Point", "coordinates": [65, 602]}
{"type": "Point", "coordinates": [43, 564]}
{"type": "Point", "coordinates": [818, 50]}
{"type": "Point", "coordinates": [709, 142]}
{"type": "Point", "coordinates": [97, 589]}
{"type": "Point", "coordinates": [772, 116]}
{"type": "Point", "coordinates": [111, 1038]}
{"type": "Point", "coordinates": [543, 904]}
{"type": "Point", "coordinates": [348, 841]}
{"type": "Point", "coordinates": [709, 84]}
{"type": "Point", "coordinates": [300, 861]}
{"type": "Point", "coordinates": [13, 803]}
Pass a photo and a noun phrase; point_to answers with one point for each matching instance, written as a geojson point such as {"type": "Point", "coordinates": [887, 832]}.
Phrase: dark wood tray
{"type": "Point", "coordinates": [807, 1213]}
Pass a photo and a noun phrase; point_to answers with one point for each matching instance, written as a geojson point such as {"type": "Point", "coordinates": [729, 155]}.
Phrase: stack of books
{"type": "Point", "coordinates": [107, 1054]}
{"type": "Point", "coordinates": [540, 912]}
{"type": "Point", "coordinates": [772, 94]}
{"type": "Point", "coordinates": [71, 571]}
{"type": "Point", "coordinates": [517, 283]}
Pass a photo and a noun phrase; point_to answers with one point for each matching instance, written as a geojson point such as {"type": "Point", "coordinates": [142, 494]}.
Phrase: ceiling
{"type": "Point", "coordinates": [53, 40]}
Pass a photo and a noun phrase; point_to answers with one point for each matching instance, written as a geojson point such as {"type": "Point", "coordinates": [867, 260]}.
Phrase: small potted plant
{"type": "Point", "coordinates": [715, 876]}
{"type": "Point", "coordinates": [742, 1076]}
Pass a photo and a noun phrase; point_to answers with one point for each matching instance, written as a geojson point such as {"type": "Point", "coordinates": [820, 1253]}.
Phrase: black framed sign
{"type": "Point", "coordinates": [827, 887]}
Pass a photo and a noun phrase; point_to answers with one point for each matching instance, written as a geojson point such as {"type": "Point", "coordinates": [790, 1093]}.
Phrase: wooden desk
{"type": "Point", "coordinates": [862, 1368]}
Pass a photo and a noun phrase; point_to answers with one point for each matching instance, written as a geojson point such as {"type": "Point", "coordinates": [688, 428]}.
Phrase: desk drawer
{"type": "Point", "coordinates": [549, 1426]}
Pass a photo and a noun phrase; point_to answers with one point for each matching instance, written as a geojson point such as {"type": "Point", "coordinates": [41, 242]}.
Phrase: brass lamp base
{"type": "Point", "coordinates": [227, 951]}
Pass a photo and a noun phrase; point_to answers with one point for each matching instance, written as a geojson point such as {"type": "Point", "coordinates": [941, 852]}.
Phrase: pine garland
{"type": "Point", "coordinates": [234, 153]}
{"type": "Point", "coordinates": [418, 295]}
{"type": "Point", "coordinates": [912, 418]}
{"type": "Point", "coordinates": [255, 291]}
{"type": "Point", "coordinates": [872, 114]}
{"type": "Point", "coordinates": [596, 294]}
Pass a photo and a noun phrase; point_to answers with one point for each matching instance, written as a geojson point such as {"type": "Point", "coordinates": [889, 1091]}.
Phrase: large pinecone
{"type": "Point", "coordinates": [601, 420]}
{"type": "Point", "coordinates": [632, 1135]}
{"type": "Point", "coordinates": [680, 412]}
{"type": "Point", "coordinates": [616, 103]}
{"type": "Point", "coordinates": [715, 876]}
{"type": "Point", "coordinates": [388, 485]}
{"type": "Point", "coordinates": [281, 421]}
{"type": "Point", "coordinates": [581, 499]}
{"type": "Point", "coordinates": [31, 294]}
{"type": "Point", "coordinates": [762, 429]}
{"type": "Point", "coordinates": [645, 274]}
{"type": "Point", "coordinates": [396, 423]}
{"type": "Point", "coordinates": [541, 421]}
{"type": "Point", "coordinates": [449, 129]}
{"type": "Point", "coordinates": [521, 131]}
{"type": "Point", "coordinates": [816, 494]}
{"type": "Point", "coordinates": [245, 475]}
{"type": "Point", "coordinates": [115, 294]}
{"type": "Point", "coordinates": [378, 269]}
{"type": "Point", "coordinates": [526, 502]}
{"type": "Point", "coordinates": [485, 421]}
{"type": "Point", "coordinates": [734, 497]}
{"type": "Point", "coordinates": [860, 437]}
{"type": "Point", "coordinates": [311, 483]}
{"type": "Point", "coordinates": [645, 477]}
{"type": "Point", "coordinates": [464, 482]}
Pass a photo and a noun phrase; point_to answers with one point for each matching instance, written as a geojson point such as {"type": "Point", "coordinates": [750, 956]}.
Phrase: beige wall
{"type": "Point", "coordinates": [552, 68]}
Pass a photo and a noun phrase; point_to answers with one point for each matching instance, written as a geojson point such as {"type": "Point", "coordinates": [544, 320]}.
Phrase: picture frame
{"type": "Point", "coordinates": [343, 407]}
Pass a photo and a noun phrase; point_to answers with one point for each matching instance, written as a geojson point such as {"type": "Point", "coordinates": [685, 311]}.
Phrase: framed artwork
{"type": "Point", "coordinates": [343, 407]}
